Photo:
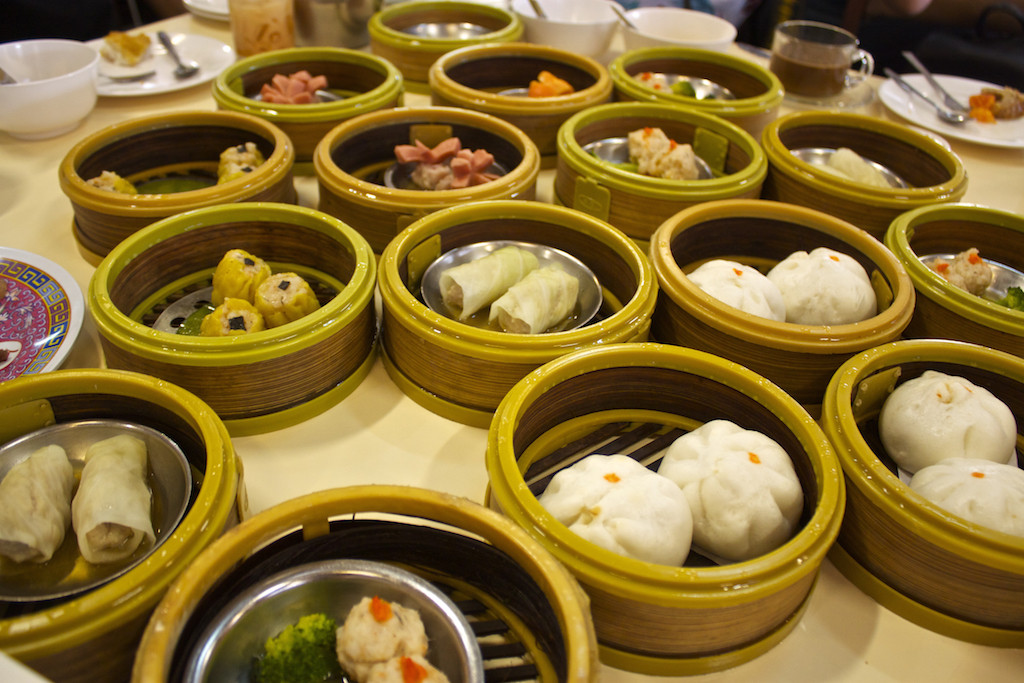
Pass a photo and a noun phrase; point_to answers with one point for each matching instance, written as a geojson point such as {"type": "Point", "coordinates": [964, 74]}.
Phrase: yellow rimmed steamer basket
{"type": "Point", "coordinates": [163, 145]}
{"type": "Point", "coordinates": [412, 35]}
{"type": "Point", "coordinates": [93, 636]}
{"type": "Point", "coordinates": [659, 619]}
{"type": "Point", "coordinates": [799, 358]}
{"type": "Point", "coordinates": [461, 371]}
{"type": "Point", "coordinates": [934, 568]}
{"type": "Point", "coordinates": [638, 204]}
{"type": "Point", "coordinates": [263, 380]}
{"type": "Point", "coordinates": [943, 310]}
{"type": "Point", "coordinates": [483, 78]}
{"type": "Point", "coordinates": [364, 82]}
{"type": "Point", "coordinates": [351, 160]}
{"type": "Point", "coordinates": [757, 92]}
{"type": "Point", "coordinates": [931, 170]}
{"type": "Point", "coordinates": [530, 613]}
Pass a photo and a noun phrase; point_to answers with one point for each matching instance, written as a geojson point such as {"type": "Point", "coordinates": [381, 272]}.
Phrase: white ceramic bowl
{"type": "Point", "coordinates": [671, 26]}
{"type": "Point", "coordinates": [55, 89]}
{"type": "Point", "coordinates": [585, 27]}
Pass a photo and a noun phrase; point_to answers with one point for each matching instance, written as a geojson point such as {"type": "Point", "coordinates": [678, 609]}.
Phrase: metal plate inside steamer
{"type": "Point", "coordinates": [450, 30]}
{"type": "Point", "coordinates": [588, 301]}
{"type": "Point", "coordinates": [819, 156]}
{"type": "Point", "coordinates": [616, 151]}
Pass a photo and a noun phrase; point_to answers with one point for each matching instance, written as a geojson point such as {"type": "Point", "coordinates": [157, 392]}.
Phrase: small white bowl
{"type": "Point", "coordinates": [55, 89]}
{"type": "Point", "coordinates": [671, 26]}
{"type": "Point", "coordinates": [585, 27]}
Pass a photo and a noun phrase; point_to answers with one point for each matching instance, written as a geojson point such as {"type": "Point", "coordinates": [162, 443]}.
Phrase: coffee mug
{"type": "Point", "coordinates": [813, 60]}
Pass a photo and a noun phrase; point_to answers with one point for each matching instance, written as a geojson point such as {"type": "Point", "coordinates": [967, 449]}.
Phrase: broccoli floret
{"type": "Point", "coordinates": [302, 653]}
{"type": "Point", "coordinates": [1014, 299]}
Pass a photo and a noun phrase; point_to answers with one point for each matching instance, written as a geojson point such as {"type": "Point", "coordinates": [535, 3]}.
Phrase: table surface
{"type": "Point", "coordinates": [377, 435]}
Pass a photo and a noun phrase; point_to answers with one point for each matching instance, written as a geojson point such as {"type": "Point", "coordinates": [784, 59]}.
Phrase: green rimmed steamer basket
{"type": "Point", "coordinates": [638, 204]}
{"type": "Point", "coordinates": [943, 310]}
{"type": "Point", "coordinates": [93, 636]}
{"type": "Point", "coordinates": [364, 82]}
{"type": "Point", "coordinates": [395, 35]}
{"type": "Point", "coordinates": [637, 398]}
{"type": "Point", "coordinates": [931, 567]}
{"type": "Point", "coordinates": [263, 380]}
{"type": "Point", "coordinates": [757, 91]}
{"type": "Point", "coordinates": [462, 372]}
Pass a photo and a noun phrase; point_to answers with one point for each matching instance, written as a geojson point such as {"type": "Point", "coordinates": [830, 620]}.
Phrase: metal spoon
{"type": "Point", "coordinates": [623, 18]}
{"type": "Point", "coordinates": [947, 99]}
{"type": "Point", "coordinates": [183, 70]}
{"type": "Point", "coordinates": [538, 10]}
{"type": "Point", "coordinates": [950, 117]}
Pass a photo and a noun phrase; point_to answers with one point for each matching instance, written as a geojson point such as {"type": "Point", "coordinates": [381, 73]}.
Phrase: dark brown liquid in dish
{"type": "Point", "coordinates": [810, 70]}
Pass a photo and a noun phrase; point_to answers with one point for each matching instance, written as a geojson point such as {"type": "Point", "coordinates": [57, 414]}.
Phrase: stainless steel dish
{"type": "Point", "coordinates": [819, 156]}
{"type": "Point", "coordinates": [616, 151]}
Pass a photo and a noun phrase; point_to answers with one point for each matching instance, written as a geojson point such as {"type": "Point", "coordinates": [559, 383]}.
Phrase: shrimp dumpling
{"type": "Point", "coordinates": [376, 631]}
{"type": "Point", "coordinates": [990, 494]}
{"type": "Point", "coordinates": [937, 416]}
{"type": "Point", "coordinates": [741, 287]}
{"type": "Point", "coordinates": [618, 504]}
{"type": "Point", "coordinates": [742, 489]}
{"type": "Point", "coordinates": [824, 287]}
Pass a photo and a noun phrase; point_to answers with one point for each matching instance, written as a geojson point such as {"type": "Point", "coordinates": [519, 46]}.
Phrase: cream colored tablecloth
{"type": "Point", "coordinates": [377, 435]}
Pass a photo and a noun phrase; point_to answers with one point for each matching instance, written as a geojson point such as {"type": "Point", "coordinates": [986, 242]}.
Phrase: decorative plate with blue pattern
{"type": "Point", "coordinates": [41, 311]}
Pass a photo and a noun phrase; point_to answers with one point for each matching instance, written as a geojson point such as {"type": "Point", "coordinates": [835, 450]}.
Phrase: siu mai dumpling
{"type": "Point", "coordinates": [824, 287]}
{"type": "Point", "coordinates": [742, 489]}
{"type": "Point", "coordinates": [470, 286]}
{"type": "Point", "coordinates": [232, 317]}
{"type": "Point", "coordinates": [111, 511]}
{"type": "Point", "coordinates": [35, 505]}
{"type": "Point", "coordinates": [987, 493]}
{"type": "Point", "coordinates": [741, 287]}
{"type": "Point", "coordinates": [376, 631]}
{"type": "Point", "coordinates": [284, 298]}
{"type": "Point", "coordinates": [543, 298]}
{"type": "Point", "coordinates": [618, 504]}
{"type": "Point", "coordinates": [937, 416]}
{"type": "Point", "coordinates": [237, 276]}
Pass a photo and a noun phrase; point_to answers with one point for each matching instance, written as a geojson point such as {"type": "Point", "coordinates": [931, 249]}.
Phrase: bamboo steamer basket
{"type": "Point", "coordinates": [394, 35]}
{"type": "Point", "coordinates": [263, 380]}
{"type": "Point", "coordinates": [462, 372]}
{"type": "Point", "coordinates": [933, 172]}
{"type": "Point", "coordinates": [943, 310]}
{"type": "Point", "coordinates": [93, 636]}
{"type": "Point", "coordinates": [923, 563]}
{"type": "Point", "coordinates": [351, 158]}
{"type": "Point", "coordinates": [366, 82]}
{"type": "Point", "coordinates": [799, 358]}
{"type": "Point", "coordinates": [162, 144]}
{"type": "Point", "coordinates": [758, 92]}
{"type": "Point", "coordinates": [475, 78]}
{"type": "Point", "coordinates": [636, 399]}
{"type": "Point", "coordinates": [637, 204]}
{"type": "Point", "coordinates": [505, 582]}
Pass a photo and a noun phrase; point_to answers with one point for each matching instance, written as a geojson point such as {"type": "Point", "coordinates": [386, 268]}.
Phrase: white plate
{"type": "Point", "coordinates": [209, 9]}
{"type": "Point", "coordinates": [41, 312]}
{"type": "Point", "coordinates": [1008, 134]}
{"type": "Point", "coordinates": [212, 56]}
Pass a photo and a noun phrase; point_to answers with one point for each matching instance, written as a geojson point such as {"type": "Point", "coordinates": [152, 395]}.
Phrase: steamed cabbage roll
{"type": "Point", "coordinates": [35, 505]}
{"type": "Point", "coordinates": [471, 286]}
{"type": "Point", "coordinates": [111, 511]}
{"type": "Point", "coordinates": [541, 299]}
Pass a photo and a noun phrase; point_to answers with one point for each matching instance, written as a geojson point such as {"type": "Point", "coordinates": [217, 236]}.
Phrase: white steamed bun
{"type": "Point", "coordinates": [937, 416]}
{"type": "Point", "coordinates": [987, 493]}
{"type": "Point", "coordinates": [741, 287]}
{"type": "Point", "coordinates": [824, 287]}
{"type": "Point", "coordinates": [615, 502]}
{"type": "Point", "coordinates": [743, 491]}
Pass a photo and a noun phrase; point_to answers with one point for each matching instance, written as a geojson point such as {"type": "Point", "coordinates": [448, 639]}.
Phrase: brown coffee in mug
{"type": "Point", "coordinates": [813, 60]}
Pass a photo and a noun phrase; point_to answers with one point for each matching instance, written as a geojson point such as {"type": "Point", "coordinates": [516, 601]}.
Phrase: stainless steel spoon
{"type": "Point", "coordinates": [947, 99]}
{"type": "Point", "coordinates": [950, 117]}
{"type": "Point", "coordinates": [538, 10]}
{"type": "Point", "coordinates": [183, 70]}
{"type": "Point", "coordinates": [623, 18]}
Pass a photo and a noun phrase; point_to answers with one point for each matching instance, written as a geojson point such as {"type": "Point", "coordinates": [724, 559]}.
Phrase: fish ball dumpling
{"type": "Point", "coordinates": [35, 505]}
{"type": "Point", "coordinates": [470, 286]}
{"type": "Point", "coordinates": [824, 287]}
{"type": "Point", "coordinates": [283, 298]}
{"type": "Point", "coordinates": [743, 492]}
{"type": "Point", "coordinates": [937, 416]}
{"type": "Point", "coordinates": [740, 286]}
{"type": "Point", "coordinates": [237, 276]}
{"type": "Point", "coordinates": [618, 504]}
{"type": "Point", "coordinates": [987, 493]}
{"type": "Point", "coordinates": [376, 631]}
